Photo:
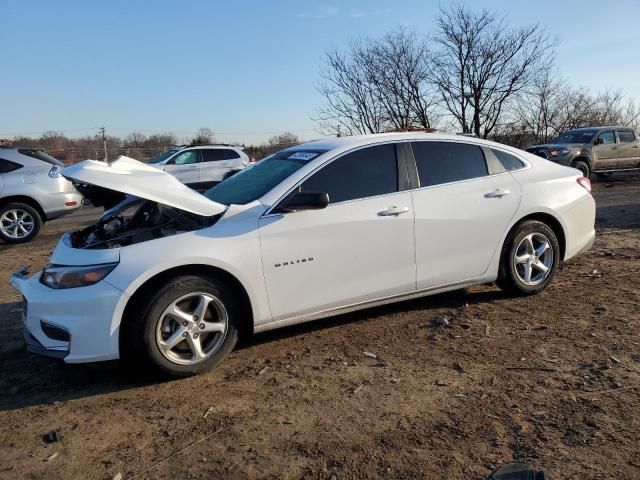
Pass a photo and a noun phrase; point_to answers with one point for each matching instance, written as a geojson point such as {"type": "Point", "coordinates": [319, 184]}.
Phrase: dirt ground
{"type": "Point", "coordinates": [553, 378]}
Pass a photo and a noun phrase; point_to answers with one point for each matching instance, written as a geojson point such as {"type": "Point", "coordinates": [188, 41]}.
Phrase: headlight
{"type": "Point", "coordinates": [559, 152]}
{"type": "Point", "coordinates": [55, 171]}
{"type": "Point", "coordinates": [58, 276]}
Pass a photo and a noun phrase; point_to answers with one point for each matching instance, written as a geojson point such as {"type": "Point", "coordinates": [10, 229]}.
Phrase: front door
{"type": "Point", "coordinates": [462, 211]}
{"type": "Point", "coordinates": [605, 151]}
{"type": "Point", "coordinates": [185, 166]}
{"type": "Point", "coordinates": [359, 248]}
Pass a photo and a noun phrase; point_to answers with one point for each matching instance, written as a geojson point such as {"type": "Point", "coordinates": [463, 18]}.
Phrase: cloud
{"type": "Point", "coordinates": [320, 12]}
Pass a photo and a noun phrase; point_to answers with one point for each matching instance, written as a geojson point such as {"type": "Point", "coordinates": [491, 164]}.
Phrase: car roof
{"type": "Point", "coordinates": [595, 129]}
{"type": "Point", "coordinates": [346, 143]}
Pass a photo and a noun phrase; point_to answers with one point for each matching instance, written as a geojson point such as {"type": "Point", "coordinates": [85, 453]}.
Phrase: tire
{"type": "Point", "coordinates": [153, 330]}
{"type": "Point", "coordinates": [517, 259]}
{"type": "Point", "coordinates": [583, 167]}
{"type": "Point", "coordinates": [19, 223]}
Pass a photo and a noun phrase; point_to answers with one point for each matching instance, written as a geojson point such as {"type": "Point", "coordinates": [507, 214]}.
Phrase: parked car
{"type": "Point", "coordinates": [315, 230]}
{"type": "Point", "coordinates": [32, 191]}
{"type": "Point", "coordinates": [203, 166]}
{"type": "Point", "coordinates": [599, 150]}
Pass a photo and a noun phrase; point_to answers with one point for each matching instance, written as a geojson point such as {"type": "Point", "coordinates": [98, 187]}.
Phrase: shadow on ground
{"type": "Point", "coordinates": [30, 380]}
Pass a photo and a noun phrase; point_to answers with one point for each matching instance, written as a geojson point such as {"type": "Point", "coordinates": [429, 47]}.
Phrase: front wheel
{"type": "Point", "coordinates": [188, 326]}
{"type": "Point", "coordinates": [583, 167]}
{"type": "Point", "coordinates": [530, 258]}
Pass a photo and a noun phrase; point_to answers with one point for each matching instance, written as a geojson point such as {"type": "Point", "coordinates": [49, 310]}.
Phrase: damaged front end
{"type": "Point", "coordinates": [149, 204]}
{"type": "Point", "coordinates": [137, 220]}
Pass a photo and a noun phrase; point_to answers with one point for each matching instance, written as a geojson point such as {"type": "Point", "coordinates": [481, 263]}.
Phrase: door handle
{"type": "Point", "coordinates": [635, 146]}
{"type": "Point", "coordinates": [497, 193]}
{"type": "Point", "coordinates": [391, 211]}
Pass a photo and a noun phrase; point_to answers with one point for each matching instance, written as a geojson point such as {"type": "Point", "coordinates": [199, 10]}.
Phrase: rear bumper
{"type": "Point", "coordinates": [57, 204]}
{"type": "Point", "coordinates": [579, 227]}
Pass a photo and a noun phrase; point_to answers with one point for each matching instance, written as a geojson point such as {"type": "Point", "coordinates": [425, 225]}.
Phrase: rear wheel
{"type": "Point", "coordinates": [19, 223]}
{"type": "Point", "coordinates": [188, 326]}
{"type": "Point", "coordinates": [583, 167]}
{"type": "Point", "coordinates": [530, 258]}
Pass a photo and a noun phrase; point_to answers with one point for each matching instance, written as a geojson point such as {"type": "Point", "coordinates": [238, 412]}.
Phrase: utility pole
{"type": "Point", "coordinates": [104, 142]}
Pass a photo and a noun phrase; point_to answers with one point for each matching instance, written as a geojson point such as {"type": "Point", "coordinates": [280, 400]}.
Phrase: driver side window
{"type": "Point", "coordinates": [186, 158]}
{"type": "Point", "coordinates": [367, 172]}
{"type": "Point", "coordinates": [606, 137]}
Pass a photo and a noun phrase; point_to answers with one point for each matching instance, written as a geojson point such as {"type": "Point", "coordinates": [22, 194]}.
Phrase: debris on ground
{"type": "Point", "coordinates": [117, 476]}
{"type": "Point", "coordinates": [51, 437]}
{"type": "Point", "coordinates": [458, 367]}
{"type": "Point", "coordinates": [441, 321]}
{"type": "Point", "coordinates": [370, 354]}
{"type": "Point", "coordinates": [53, 456]}
{"type": "Point", "coordinates": [540, 327]}
{"type": "Point", "coordinates": [595, 273]}
{"type": "Point", "coordinates": [208, 412]}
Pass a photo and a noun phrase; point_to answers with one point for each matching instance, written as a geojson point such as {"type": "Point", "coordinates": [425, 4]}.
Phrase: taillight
{"type": "Point", "coordinates": [55, 171]}
{"type": "Point", "coordinates": [584, 183]}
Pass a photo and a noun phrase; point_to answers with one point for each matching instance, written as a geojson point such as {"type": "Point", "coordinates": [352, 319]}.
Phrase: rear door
{"type": "Point", "coordinates": [628, 149]}
{"type": "Point", "coordinates": [462, 208]}
{"type": "Point", "coordinates": [185, 166]}
{"type": "Point", "coordinates": [216, 163]}
{"type": "Point", "coordinates": [353, 251]}
{"type": "Point", "coordinates": [605, 150]}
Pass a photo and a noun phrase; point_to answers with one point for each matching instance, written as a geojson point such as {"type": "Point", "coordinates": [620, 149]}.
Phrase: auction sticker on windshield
{"type": "Point", "coordinates": [303, 156]}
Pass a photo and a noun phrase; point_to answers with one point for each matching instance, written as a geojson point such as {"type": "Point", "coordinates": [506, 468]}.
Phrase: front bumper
{"type": "Point", "coordinates": [85, 313]}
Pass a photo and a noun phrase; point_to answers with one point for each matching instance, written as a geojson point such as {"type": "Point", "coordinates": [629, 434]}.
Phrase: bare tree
{"type": "Point", "coordinates": [285, 138]}
{"type": "Point", "coordinates": [134, 140]}
{"type": "Point", "coordinates": [483, 63]}
{"type": "Point", "coordinates": [378, 84]}
{"type": "Point", "coordinates": [203, 137]}
{"type": "Point", "coordinates": [351, 104]}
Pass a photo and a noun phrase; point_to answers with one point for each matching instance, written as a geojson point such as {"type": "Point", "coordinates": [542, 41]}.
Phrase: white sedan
{"type": "Point", "coordinates": [171, 276]}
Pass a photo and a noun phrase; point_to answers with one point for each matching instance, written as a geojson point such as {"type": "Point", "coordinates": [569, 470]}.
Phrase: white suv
{"type": "Point", "coordinates": [203, 166]}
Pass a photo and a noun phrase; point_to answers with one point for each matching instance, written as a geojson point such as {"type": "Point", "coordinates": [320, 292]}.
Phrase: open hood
{"type": "Point", "coordinates": [135, 178]}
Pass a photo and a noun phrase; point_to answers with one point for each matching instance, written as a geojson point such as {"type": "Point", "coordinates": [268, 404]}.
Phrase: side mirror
{"type": "Point", "coordinates": [598, 141]}
{"type": "Point", "coordinates": [304, 201]}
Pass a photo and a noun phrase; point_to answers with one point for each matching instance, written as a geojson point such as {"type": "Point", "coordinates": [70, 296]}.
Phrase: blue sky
{"type": "Point", "coordinates": [245, 69]}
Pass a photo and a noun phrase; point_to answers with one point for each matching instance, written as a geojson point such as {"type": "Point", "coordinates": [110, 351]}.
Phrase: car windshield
{"type": "Point", "coordinates": [575, 136]}
{"type": "Point", "coordinates": [256, 180]}
{"type": "Point", "coordinates": [164, 155]}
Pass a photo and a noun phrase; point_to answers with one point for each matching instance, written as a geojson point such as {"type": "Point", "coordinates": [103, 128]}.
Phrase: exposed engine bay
{"type": "Point", "coordinates": [136, 220]}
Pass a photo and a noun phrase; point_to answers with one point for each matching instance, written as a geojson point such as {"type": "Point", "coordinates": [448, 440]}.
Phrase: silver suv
{"type": "Point", "coordinates": [32, 191]}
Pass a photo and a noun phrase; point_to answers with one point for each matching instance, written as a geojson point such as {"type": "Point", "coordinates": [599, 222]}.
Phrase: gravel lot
{"type": "Point", "coordinates": [553, 378]}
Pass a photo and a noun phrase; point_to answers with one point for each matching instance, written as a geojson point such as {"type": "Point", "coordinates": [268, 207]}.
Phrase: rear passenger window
{"type": "Point", "coordinates": [213, 155]}
{"type": "Point", "coordinates": [7, 166]}
{"type": "Point", "coordinates": [509, 162]}
{"type": "Point", "coordinates": [626, 136]}
{"type": "Point", "coordinates": [445, 162]}
{"type": "Point", "coordinates": [364, 173]}
{"type": "Point", "coordinates": [231, 155]}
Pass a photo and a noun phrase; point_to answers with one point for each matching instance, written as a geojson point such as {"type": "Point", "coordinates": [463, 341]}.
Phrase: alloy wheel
{"type": "Point", "coordinates": [16, 223]}
{"type": "Point", "coordinates": [533, 259]}
{"type": "Point", "coordinates": [192, 328]}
